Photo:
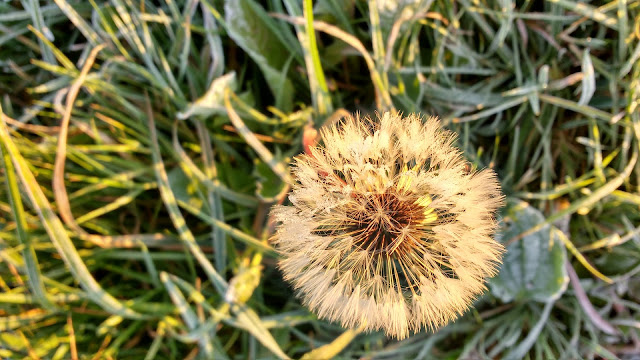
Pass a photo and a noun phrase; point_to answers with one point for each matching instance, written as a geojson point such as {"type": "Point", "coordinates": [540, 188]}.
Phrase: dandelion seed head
{"type": "Point", "coordinates": [388, 229]}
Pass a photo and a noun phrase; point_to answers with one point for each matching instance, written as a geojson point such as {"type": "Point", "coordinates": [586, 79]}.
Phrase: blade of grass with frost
{"type": "Point", "coordinates": [214, 199]}
{"type": "Point", "coordinates": [196, 296]}
{"type": "Point", "coordinates": [212, 102]}
{"type": "Point", "coordinates": [245, 317]}
{"type": "Point", "coordinates": [278, 167]}
{"type": "Point", "coordinates": [523, 347]}
{"type": "Point", "coordinates": [287, 319]}
{"type": "Point", "coordinates": [586, 202]}
{"type": "Point", "coordinates": [184, 36]}
{"type": "Point", "coordinates": [79, 22]}
{"type": "Point", "coordinates": [213, 38]}
{"type": "Point", "coordinates": [114, 205]}
{"type": "Point", "coordinates": [249, 321]}
{"type": "Point", "coordinates": [31, 263]}
{"type": "Point", "coordinates": [588, 11]}
{"type": "Point", "coordinates": [297, 119]}
{"type": "Point", "coordinates": [157, 341]}
{"type": "Point", "coordinates": [569, 245]}
{"type": "Point", "coordinates": [174, 211]}
{"type": "Point", "coordinates": [12, 322]}
{"type": "Point", "coordinates": [571, 105]}
{"type": "Point", "coordinates": [13, 14]}
{"type": "Point", "coordinates": [151, 267]}
{"type": "Point", "coordinates": [58, 234]}
{"type": "Point", "coordinates": [108, 29]}
{"type": "Point", "coordinates": [588, 79]}
{"type": "Point", "coordinates": [59, 55]}
{"type": "Point", "coordinates": [211, 182]}
{"type": "Point", "coordinates": [187, 314]}
{"type": "Point", "coordinates": [558, 191]}
{"type": "Point", "coordinates": [228, 229]}
{"type": "Point", "coordinates": [34, 9]}
{"type": "Point", "coordinates": [494, 110]}
{"type": "Point", "coordinates": [376, 34]}
{"type": "Point", "coordinates": [461, 70]}
{"type": "Point", "coordinates": [504, 52]}
{"type": "Point", "coordinates": [196, 334]}
{"type": "Point", "coordinates": [506, 17]}
{"type": "Point", "coordinates": [23, 299]}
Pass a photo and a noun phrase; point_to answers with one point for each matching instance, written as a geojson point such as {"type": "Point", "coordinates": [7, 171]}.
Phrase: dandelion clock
{"type": "Point", "coordinates": [388, 229]}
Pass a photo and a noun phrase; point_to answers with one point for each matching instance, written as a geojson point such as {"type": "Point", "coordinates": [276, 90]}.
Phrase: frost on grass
{"type": "Point", "coordinates": [388, 228]}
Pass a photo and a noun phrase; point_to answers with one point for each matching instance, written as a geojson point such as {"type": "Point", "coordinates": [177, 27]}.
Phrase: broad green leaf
{"type": "Point", "coordinates": [269, 184]}
{"type": "Point", "coordinates": [186, 190]}
{"type": "Point", "coordinates": [249, 26]}
{"type": "Point", "coordinates": [533, 267]}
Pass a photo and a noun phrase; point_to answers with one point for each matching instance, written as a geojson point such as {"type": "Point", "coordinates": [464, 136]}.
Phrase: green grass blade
{"type": "Point", "coordinates": [583, 205]}
{"type": "Point", "coordinates": [34, 277]}
{"type": "Point", "coordinates": [174, 211]}
{"type": "Point", "coordinates": [523, 347]}
{"type": "Point", "coordinates": [332, 349]}
{"type": "Point", "coordinates": [187, 314]}
{"type": "Point", "coordinates": [79, 22]}
{"type": "Point", "coordinates": [58, 234]}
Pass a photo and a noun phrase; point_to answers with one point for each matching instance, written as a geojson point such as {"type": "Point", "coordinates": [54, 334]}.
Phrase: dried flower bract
{"type": "Point", "coordinates": [389, 229]}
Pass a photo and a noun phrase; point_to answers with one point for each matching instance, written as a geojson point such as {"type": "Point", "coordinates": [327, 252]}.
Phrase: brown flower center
{"type": "Point", "coordinates": [381, 222]}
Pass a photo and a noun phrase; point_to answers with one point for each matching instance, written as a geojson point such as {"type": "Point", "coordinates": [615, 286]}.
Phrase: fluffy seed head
{"type": "Point", "coordinates": [389, 229]}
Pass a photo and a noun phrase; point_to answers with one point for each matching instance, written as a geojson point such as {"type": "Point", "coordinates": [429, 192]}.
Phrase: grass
{"type": "Point", "coordinates": [143, 143]}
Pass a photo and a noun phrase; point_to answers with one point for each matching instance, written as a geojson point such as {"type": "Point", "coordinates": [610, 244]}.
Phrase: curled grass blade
{"type": "Point", "coordinates": [59, 188]}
